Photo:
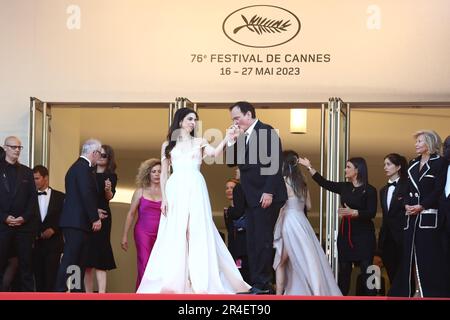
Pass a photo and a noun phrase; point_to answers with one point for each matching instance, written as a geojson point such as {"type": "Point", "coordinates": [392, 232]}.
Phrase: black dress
{"type": "Point", "coordinates": [99, 251]}
{"type": "Point", "coordinates": [356, 240]}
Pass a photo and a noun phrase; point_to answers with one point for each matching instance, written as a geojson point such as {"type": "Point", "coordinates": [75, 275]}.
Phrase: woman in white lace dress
{"type": "Point", "coordinates": [189, 255]}
{"type": "Point", "coordinates": [300, 263]}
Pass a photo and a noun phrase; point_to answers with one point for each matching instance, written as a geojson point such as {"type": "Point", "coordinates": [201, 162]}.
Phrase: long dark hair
{"type": "Point", "coordinates": [399, 160]}
{"type": "Point", "coordinates": [112, 165]}
{"type": "Point", "coordinates": [291, 171]}
{"type": "Point", "coordinates": [174, 130]}
{"type": "Point", "coordinates": [361, 165]}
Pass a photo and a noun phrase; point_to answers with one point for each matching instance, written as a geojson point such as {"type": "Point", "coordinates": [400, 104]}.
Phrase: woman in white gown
{"type": "Point", "coordinates": [189, 256]}
{"type": "Point", "coordinates": [300, 263]}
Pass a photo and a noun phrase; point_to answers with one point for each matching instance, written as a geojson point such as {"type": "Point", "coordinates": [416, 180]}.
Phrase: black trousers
{"type": "Point", "coordinates": [344, 277]}
{"type": "Point", "coordinates": [260, 225]}
{"type": "Point", "coordinates": [46, 259]}
{"type": "Point", "coordinates": [392, 257]}
{"type": "Point", "coordinates": [23, 244]}
{"type": "Point", "coordinates": [72, 262]}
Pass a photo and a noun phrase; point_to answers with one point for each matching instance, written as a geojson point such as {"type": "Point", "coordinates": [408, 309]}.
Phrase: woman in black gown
{"type": "Point", "coordinates": [99, 257]}
{"type": "Point", "coordinates": [356, 240]}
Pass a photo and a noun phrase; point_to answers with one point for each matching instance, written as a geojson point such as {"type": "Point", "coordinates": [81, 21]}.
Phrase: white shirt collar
{"type": "Point", "coordinates": [392, 181]}
{"type": "Point", "coordinates": [89, 161]}
{"type": "Point", "coordinates": [250, 129]}
{"type": "Point", "coordinates": [45, 190]}
{"type": "Point", "coordinates": [447, 185]}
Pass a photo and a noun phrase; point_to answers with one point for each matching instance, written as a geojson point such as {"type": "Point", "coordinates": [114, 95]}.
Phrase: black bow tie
{"type": "Point", "coordinates": [394, 184]}
{"type": "Point", "coordinates": [43, 193]}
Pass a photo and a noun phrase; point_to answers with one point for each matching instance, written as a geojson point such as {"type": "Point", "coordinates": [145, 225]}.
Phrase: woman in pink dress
{"type": "Point", "coordinates": [146, 203]}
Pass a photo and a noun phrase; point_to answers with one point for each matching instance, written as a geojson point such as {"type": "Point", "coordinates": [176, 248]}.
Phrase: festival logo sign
{"type": "Point", "coordinates": [261, 26]}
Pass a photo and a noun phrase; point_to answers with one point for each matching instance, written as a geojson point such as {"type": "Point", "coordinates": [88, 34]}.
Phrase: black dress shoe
{"type": "Point", "coordinates": [255, 290]}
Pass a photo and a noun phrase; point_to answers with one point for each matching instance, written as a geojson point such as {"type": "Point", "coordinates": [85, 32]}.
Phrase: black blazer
{"type": "Point", "coordinates": [19, 202]}
{"type": "Point", "coordinates": [394, 219]}
{"type": "Point", "coordinates": [445, 201]}
{"type": "Point", "coordinates": [257, 158]}
{"type": "Point", "coordinates": [425, 188]}
{"type": "Point", "coordinates": [55, 208]}
{"type": "Point", "coordinates": [80, 205]}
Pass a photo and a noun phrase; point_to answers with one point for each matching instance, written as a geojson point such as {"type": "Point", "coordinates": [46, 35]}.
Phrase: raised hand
{"type": "Point", "coordinates": [107, 185]}
{"type": "Point", "coordinates": [304, 162]}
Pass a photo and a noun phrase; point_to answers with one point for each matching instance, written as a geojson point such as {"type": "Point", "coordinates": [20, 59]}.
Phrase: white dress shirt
{"type": "Point", "coordinates": [43, 202]}
{"type": "Point", "coordinates": [249, 131]}
{"type": "Point", "coordinates": [390, 192]}
{"type": "Point", "coordinates": [447, 185]}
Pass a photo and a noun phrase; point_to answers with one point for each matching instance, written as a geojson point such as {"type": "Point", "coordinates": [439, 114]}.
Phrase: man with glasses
{"type": "Point", "coordinates": [18, 204]}
{"type": "Point", "coordinates": [79, 217]}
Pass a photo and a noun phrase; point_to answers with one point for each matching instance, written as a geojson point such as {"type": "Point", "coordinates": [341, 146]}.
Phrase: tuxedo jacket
{"type": "Point", "coordinates": [51, 220]}
{"type": "Point", "coordinates": [394, 218]}
{"type": "Point", "coordinates": [22, 201]}
{"type": "Point", "coordinates": [80, 205]}
{"type": "Point", "coordinates": [259, 162]}
{"type": "Point", "coordinates": [445, 201]}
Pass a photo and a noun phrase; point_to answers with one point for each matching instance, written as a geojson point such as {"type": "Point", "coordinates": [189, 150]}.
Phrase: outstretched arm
{"type": "Point", "coordinates": [211, 151]}
{"type": "Point", "coordinates": [321, 181]}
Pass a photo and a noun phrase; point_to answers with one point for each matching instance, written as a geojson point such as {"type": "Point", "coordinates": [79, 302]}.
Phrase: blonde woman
{"type": "Point", "coordinates": [146, 205]}
{"type": "Point", "coordinates": [424, 270]}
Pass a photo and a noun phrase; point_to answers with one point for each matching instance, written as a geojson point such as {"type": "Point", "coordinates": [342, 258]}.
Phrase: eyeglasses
{"type": "Point", "coordinates": [104, 155]}
{"type": "Point", "coordinates": [15, 147]}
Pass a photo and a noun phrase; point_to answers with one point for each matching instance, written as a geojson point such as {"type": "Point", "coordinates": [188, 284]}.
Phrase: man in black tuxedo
{"type": "Point", "coordinates": [18, 202]}
{"type": "Point", "coordinates": [446, 196]}
{"type": "Point", "coordinates": [445, 200]}
{"type": "Point", "coordinates": [257, 152]}
{"type": "Point", "coordinates": [49, 240]}
{"type": "Point", "coordinates": [79, 216]}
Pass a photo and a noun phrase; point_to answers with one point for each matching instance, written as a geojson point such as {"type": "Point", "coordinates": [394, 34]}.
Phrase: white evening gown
{"type": "Point", "coordinates": [201, 264]}
{"type": "Point", "coordinates": [307, 271]}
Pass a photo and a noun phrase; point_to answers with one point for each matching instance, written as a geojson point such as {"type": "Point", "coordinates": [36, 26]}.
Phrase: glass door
{"type": "Point", "coordinates": [40, 129]}
{"type": "Point", "coordinates": [335, 137]}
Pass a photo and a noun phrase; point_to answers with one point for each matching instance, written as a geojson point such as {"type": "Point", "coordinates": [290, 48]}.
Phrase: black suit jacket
{"type": "Point", "coordinates": [55, 208]}
{"type": "Point", "coordinates": [426, 187]}
{"type": "Point", "coordinates": [80, 205]}
{"type": "Point", "coordinates": [22, 201]}
{"type": "Point", "coordinates": [394, 219]}
{"type": "Point", "coordinates": [445, 202]}
{"type": "Point", "coordinates": [259, 164]}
